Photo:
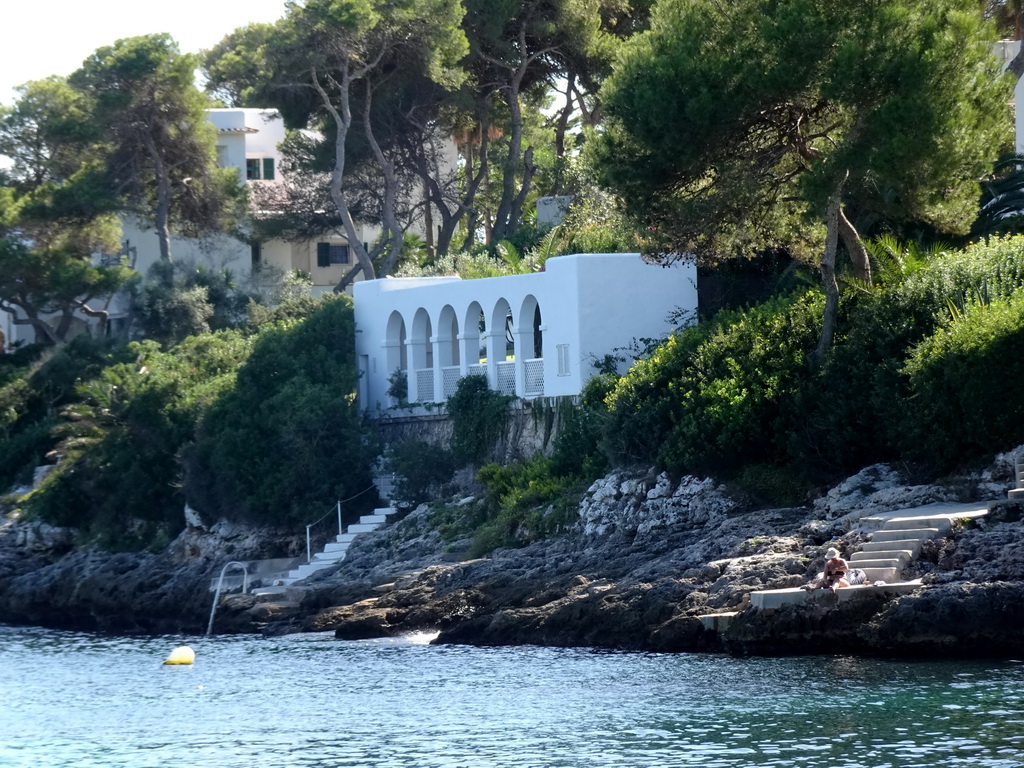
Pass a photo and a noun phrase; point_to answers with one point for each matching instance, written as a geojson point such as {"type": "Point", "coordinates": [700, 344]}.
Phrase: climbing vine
{"type": "Point", "coordinates": [479, 419]}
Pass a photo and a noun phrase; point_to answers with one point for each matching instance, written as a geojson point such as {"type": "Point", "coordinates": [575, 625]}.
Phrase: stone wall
{"type": "Point", "coordinates": [531, 428]}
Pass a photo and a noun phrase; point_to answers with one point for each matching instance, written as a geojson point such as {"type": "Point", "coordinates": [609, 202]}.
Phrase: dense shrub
{"type": "Point", "coordinates": [710, 397]}
{"type": "Point", "coordinates": [119, 478]}
{"type": "Point", "coordinates": [420, 469]}
{"type": "Point", "coordinates": [288, 437]}
{"type": "Point", "coordinates": [479, 416]}
{"type": "Point", "coordinates": [967, 386]}
{"type": "Point", "coordinates": [527, 502]}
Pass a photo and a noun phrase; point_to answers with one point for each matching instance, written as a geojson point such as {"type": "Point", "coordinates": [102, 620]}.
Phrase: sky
{"type": "Point", "coordinates": [53, 37]}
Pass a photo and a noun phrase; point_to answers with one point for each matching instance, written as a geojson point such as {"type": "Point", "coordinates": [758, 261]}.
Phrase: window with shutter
{"type": "Point", "coordinates": [323, 254]}
{"type": "Point", "coordinates": [268, 168]}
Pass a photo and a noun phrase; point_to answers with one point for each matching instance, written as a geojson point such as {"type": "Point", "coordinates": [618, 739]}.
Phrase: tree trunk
{"type": "Point", "coordinates": [342, 122]}
{"type": "Point", "coordinates": [828, 278]}
{"type": "Point", "coordinates": [502, 227]}
{"type": "Point", "coordinates": [529, 169]}
{"type": "Point", "coordinates": [162, 213]}
{"type": "Point", "coordinates": [855, 247]}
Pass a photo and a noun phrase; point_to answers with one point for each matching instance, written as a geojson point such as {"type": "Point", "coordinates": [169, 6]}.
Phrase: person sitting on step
{"type": "Point", "coordinates": [834, 575]}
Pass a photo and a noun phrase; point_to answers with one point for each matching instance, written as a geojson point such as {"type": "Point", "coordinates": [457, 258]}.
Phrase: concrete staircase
{"type": "Point", "coordinates": [1017, 492]}
{"type": "Point", "coordinates": [896, 540]}
{"type": "Point", "coordinates": [333, 552]}
{"type": "Point", "coordinates": [897, 537]}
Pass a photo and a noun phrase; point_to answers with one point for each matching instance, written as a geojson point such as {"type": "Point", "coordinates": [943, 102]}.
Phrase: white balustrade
{"type": "Point", "coordinates": [507, 377]}
{"type": "Point", "coordinates": [533, 386]}
{"type": "Point", "coordinates": [449, 380]}
{"type": "Point", "coordinates": [425, 385]}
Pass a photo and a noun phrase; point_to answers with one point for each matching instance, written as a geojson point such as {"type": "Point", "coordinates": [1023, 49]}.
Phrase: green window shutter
{"type": "Point", "coordinates": [268, 169]}
{"type": "Point", "coordinates": [323, 254]}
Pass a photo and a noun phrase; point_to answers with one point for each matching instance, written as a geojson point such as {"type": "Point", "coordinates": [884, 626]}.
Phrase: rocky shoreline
{"type": "Point", "coordinates": [646, 558]}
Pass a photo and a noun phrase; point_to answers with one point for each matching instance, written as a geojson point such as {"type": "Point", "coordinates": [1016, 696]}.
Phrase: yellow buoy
{"type": "Point", "coordinates": [181, 655]}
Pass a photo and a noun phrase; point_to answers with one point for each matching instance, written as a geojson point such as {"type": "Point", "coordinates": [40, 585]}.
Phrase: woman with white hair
{"type": "Point", "coordinates": [835, 573]}
{"type": "Point", "coordinates": [835, 570]}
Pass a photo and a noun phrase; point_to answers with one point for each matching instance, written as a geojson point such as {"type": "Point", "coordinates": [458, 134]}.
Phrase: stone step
{"type": "Point", "coordinates": [900, 556]}
{"type": "Point", "coordinates": [942, 524]}
{"type": "Point", "coordinates": [337, 546]}
{"type": "Point", "coordinates": [305, 570]}
{"type": "Point", "coordinates": [363, 527]}
{"type": "Point", "coordinates": [280, 594]}
{"type": "Point", "coordinates": [882, 562]}
{"type": "Point", "coordinates": [775, 598]}
{"type": "Point", "coordinates": [913, 546]}
{"type": "Point", "coordinates": [344, 538]}
{"type": "Point", "coordinates": [370, 519]}
{"type": "Point", "coordinates": [329, 557]}
{"type": "Point", "coordinates": [882, 574]}
{"type": "Point", "coordinates": [921, 534]}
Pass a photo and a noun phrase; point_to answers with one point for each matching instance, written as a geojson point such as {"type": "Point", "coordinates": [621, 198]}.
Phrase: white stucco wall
{"type": "Point", "coordinates": [590, 305]}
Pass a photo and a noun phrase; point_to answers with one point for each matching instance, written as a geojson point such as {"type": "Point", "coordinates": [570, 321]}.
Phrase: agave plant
{"type": "Point", "coordinates": [1002, 199]}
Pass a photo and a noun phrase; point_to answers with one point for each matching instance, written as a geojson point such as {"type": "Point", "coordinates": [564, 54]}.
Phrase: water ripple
{"type": "Point", "coordinates": [311, 701]}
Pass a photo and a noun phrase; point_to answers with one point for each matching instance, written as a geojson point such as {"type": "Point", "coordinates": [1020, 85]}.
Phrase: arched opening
{"type": "Point", "coordinates": [530, 343]}
{"type": "Point", "coordinates": [396, 359]}
{"type": "Point", "coordinates": [474, 345]}
{"type": "Point", "coordinates": [421, 350]}
{"type": "Point", "coordinates": [502, 347]}
{"type": "Point", "coordinates": [448, 351]}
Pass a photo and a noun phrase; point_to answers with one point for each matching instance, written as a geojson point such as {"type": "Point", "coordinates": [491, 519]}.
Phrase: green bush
{"type": "Point", "coordinates": [288, 438]}
{"type": "Point", "coordinates": [966, 384]}
{"type": "Point", "coordinates": [421, 470]}
{"type": "Point", "coordinates": [527, 502]}
{"type": "Point", "coordinates": [711, 396]}
{"type": "Point", "coordinates": [579, 445]}
{"type": "Point", "coordinates": [119, 478]}
{"type": "Point", "coordinates": [479, 418]}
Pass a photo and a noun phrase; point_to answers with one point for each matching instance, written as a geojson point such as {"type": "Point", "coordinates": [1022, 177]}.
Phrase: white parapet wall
{"type": "Point", "coordinates": [533, 335]}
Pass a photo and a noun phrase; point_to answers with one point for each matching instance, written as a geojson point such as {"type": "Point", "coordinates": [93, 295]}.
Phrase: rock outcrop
{"type": "Point", "coordinates": [647, 557]}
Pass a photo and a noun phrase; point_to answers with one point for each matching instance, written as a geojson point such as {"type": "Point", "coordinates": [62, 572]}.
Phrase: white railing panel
{"type": "Point", "coordinates": [449, 380]}
{"type": "Point", "coordinates": [477, 370]}
{"type": "Point", "coordinates": [533, 371]}
{"type": "Point", "coordinates": [507, 378]}
{"type": "Point", "coordinates": [425, 385]}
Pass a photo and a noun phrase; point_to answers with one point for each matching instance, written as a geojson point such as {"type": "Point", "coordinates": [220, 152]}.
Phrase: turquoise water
{"type": "Point", "coordinates": [69, 699]}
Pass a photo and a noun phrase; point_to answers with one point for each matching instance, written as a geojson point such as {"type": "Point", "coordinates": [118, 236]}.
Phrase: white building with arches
{"type": "Point", "coordinates": [533, 335]}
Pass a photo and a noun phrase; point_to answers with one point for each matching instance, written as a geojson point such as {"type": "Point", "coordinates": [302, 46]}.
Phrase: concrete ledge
{"type": "Point", "coordinates": [901, 534]}
{"type": "Point", "coordinates": [717, 622]}
{"type": "Point", "coordinates": [776, 598]}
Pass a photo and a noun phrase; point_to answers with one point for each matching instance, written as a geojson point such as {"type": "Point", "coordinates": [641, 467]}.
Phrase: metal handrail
{"type": "Point", "coordinates": [220, 583]}
{"type": "Point", "coordinates": [337, 506]}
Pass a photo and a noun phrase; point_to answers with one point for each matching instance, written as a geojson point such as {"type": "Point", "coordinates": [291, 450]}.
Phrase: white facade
{"type": "Point", "coordinates": [248, 140]}
{"type": "Point", "coordinates": [534, 335]}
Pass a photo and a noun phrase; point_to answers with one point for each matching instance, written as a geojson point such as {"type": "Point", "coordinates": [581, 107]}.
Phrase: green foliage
{"type": "Point", "coordinates": [421, 470]}
{"type": "Point", "coordinates": [257, 427]}
{"type": "Point", "coordinates": [966, 384]}
{"type": "Point", "coordinates": [479, 416]}
{"type": "Point", "coordinates": [711, 395]}
{"type": "Point", "coordinates": [528, 502]}
{"type": "Point", "coordinates": [288, 437]}
{"type": "Point", "coordinates": [181, 300]}
{"type": "Point", "coordinates": [398, 386]}
{"type": "Point", "coordinates": [579, 444]}
{"type": "Point", "coordinates": [728, 124]}
{"type": "Point", "coordinates": [119, 478]}
{"type": "Point", "coordinates": [159, 150]}
{"type": "Point", "coordinates": [733, 395]}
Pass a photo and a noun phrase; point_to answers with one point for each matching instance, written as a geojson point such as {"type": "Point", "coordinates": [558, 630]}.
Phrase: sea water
{"type": "Point", "coordinates": [84, 700]}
